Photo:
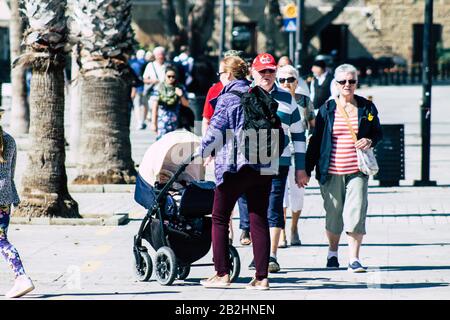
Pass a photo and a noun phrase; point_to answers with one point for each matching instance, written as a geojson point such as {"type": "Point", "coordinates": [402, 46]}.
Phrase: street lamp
{"type": "Point", "coordinates": [222, 29]}
{"type": "Point", "coordinates": [426, 98]}
{"type": "Point", "coordinates": [299, 35]}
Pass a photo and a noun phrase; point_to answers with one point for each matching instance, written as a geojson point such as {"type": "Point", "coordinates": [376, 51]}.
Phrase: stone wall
{"type": "Point", "coordinates": [376, 27]}
{"type": "Point", "coordinates": [389, 29]}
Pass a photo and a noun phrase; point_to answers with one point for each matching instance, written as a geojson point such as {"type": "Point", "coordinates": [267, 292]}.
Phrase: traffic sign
{"type": "Point", "coordinates": [290, 25]}
{"type": "Point", "coordinates": [290, 11]}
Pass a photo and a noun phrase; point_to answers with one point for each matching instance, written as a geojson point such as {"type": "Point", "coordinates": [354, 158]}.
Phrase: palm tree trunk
{"type": "Point", "coordinates": [74, 112]}
{"type": "Point", "coordinates": [44, 183]}
{"type": "Point", "coordinates": [201, 26]}
{"type": "Point", "coordinates": [105, 147]}
{"type": "Point", "coordinates": [20, 112]}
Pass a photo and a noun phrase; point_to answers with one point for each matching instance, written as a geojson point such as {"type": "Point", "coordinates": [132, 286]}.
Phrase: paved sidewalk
{"type": "Point", "coordinates": [407, 247]}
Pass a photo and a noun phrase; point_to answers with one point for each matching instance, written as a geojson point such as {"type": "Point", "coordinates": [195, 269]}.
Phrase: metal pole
{"type": "Point", "coordinates": [299, 35]}
{"type": "Point", "coordinates": [291, 46]}
{"type": "Point", "coordinates": [230, 46]}
{"type": "Point", "coordinates": [222, 29]}
{"type": "Point", "coordinates": [427, 66]}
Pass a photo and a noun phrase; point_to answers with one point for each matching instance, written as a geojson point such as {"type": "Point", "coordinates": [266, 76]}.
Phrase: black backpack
{"type": "Point", "coordinates": [260, 116]}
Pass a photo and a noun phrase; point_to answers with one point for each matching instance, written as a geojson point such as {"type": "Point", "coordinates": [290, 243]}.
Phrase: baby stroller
{"type": "Point", "coordinates": [178, 200]}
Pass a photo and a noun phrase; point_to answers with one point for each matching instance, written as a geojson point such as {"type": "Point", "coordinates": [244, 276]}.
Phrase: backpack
{"type": "Point", "coordinates": [260, 117]}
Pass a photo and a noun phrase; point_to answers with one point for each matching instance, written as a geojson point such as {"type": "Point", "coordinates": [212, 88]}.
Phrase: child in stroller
{"type": "Point", "coordinates": [177, 225]}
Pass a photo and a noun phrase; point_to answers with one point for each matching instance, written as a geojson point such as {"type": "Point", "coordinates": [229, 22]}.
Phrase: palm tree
{"type": "Point", "coordinates": [20, 111]}
{"type": "Point", "coordinates": [44, 183]}
{"type": "Point", "coordinates": [102, 31]}
{"type": "Point", "coordinates": [201, 26]}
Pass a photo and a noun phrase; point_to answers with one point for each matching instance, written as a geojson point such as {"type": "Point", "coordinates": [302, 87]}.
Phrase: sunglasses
{"type": "Point", "coordinates": [343, 82]}
{"type": "Point", "coordinates": [171, 76]}
{"type": "Point", "coordinates": [288, 80]}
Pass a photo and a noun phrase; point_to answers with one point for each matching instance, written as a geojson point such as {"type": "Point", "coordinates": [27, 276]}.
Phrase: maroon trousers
{"type": "Point", "coordinates": [257, 189]}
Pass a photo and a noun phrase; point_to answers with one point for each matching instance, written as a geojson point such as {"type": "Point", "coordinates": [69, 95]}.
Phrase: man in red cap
{"type": "Point", "coordinates": [263, 71]}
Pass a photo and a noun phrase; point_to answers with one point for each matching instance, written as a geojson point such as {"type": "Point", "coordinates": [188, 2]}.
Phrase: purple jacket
{"type": "Point", "coordinates": [227, 124]}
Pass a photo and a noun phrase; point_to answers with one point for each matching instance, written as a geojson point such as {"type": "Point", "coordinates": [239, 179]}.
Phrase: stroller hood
{"type": "Point", "coordinates": [164, 157]}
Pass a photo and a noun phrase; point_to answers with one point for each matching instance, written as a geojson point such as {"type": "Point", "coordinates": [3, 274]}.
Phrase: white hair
{"type": "Point", "coordinates": [140, 54]}
{"type": "Point", "coordinates": [159, 50]}
{"type": "Point", "coordinates": [287, 69]}
{"type": "Point", "coordinates": [346, 68]}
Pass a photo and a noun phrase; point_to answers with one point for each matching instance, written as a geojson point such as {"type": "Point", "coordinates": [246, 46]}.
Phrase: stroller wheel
{"type": "Point", "coordinates": [183, 272]}
{"type": "Point", "coordinates": [144, 270]}
{"type": "Point", "coordinates": [235, 263]}
{"type": "Point", "coordinates": [166, 266]}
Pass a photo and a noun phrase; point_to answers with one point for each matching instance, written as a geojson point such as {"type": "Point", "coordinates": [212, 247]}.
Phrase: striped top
{"type": "Point", "coordinates": [294, 130]}
{"type": "Point", "coordinates": [343, 153]}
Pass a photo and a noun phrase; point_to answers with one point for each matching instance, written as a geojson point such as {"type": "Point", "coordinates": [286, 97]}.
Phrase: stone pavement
{"type": "Point", "coordinates": [407, 247]}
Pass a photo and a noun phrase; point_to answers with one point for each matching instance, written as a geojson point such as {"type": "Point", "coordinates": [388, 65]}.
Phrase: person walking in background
{"type": "Point", "coordinates": [332, 152]}
{"type": "Point", "coordinates": [264, 70]}
{"type": "Point", "coordinates": [234, 178]}
{"type": "Point", "coordinates": [184, 63]}
{"type": "Point", "coordinates": [169, 98]}
{"type": "Point", "coordinates": [139, 99]}
{"type": "Point", "coordinates": [322, 87]}
{"type": "Point", "coordinates": [154, 73]}
{"type": "Point", "coordinates": [9, 196]}
{"type": "Point", "coordinates": [288, 77]}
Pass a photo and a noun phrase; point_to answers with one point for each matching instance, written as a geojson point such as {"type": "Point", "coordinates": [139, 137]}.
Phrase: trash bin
{"type": "Point", "coordinates": [196, 105]}
{"type": "Point", "coordinates": [390, 154]}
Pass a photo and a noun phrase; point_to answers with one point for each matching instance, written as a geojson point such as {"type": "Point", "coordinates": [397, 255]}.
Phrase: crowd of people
{"type": "Point", "coordinates": [320, 126]}
{"type": "Point", "coordinates": [161, 90]}
{"type": "Point", "coordinates": [323, 124]}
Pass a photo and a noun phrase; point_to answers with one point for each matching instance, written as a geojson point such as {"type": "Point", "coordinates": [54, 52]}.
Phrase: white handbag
{"type": "Point", "coordinates": [367, 163]}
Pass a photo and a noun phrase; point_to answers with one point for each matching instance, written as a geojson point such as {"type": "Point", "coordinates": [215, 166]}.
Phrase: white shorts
{"type": "Point", "coordinates": [293, 195]}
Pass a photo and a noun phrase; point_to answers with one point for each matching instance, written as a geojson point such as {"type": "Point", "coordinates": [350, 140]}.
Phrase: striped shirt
{"type": "Point", "coordinates": [343, 153]}
{"type": "Point", "coordinates": [289, 113]}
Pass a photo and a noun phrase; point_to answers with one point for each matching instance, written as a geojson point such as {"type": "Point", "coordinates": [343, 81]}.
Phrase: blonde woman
{"type": "Point", "coordinates": [8, 196]}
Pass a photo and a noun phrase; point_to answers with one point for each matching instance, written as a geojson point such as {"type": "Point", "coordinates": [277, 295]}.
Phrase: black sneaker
{"type": "Point", "coordinates": [251, 266]}
{"type": "Point", "coordinates": [333, 263]}
{"type": "Point", "coordinates": [356, 267]}
{"type": "Point", "coordinates": [273, 265]}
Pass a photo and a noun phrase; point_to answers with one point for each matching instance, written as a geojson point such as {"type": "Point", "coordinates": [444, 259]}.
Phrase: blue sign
{"type": "Point", "coordinates": [290, 24]}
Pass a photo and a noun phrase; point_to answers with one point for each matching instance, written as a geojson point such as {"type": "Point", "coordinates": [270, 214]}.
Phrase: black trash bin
{"type": "Point", "coordinates": [390, 154]}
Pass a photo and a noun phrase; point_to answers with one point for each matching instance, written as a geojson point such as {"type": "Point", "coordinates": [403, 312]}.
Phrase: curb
{"type": "Point", "coordinates": [102, 188]}
{"type": "Point", "coordinates": [87, 220]}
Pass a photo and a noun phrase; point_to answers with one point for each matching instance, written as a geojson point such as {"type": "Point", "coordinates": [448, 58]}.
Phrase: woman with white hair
{"type": "Point", "coordinates": [288, 78]}
{"type": "Point", "coordinates": [332, 151]}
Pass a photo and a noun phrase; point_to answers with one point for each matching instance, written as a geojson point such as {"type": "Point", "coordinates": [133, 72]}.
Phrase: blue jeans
{"type": "Point", "coordinates": [275, 213]}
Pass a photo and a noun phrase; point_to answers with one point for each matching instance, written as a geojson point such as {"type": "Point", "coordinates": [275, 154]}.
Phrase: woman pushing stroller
{"type": "Point", "coordinates": [235, 176]}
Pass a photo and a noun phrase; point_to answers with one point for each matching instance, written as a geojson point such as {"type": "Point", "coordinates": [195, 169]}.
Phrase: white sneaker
{"type": "Point", "coordinates": [22, 285]}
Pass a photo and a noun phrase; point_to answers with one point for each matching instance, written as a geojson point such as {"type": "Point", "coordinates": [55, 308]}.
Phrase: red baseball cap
{"type": "Point", "coordinates": [264, 61]}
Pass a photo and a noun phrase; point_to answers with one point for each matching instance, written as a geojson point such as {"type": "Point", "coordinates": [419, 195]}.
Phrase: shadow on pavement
{"type": "Point", "coordinates": [48, 296]}
{"type": "Point", "coordinates": [347, 285]}
{"type": "Point", "coordinates": [380, 244]}
{"type": "Point", "coordinates": [413, 268]}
